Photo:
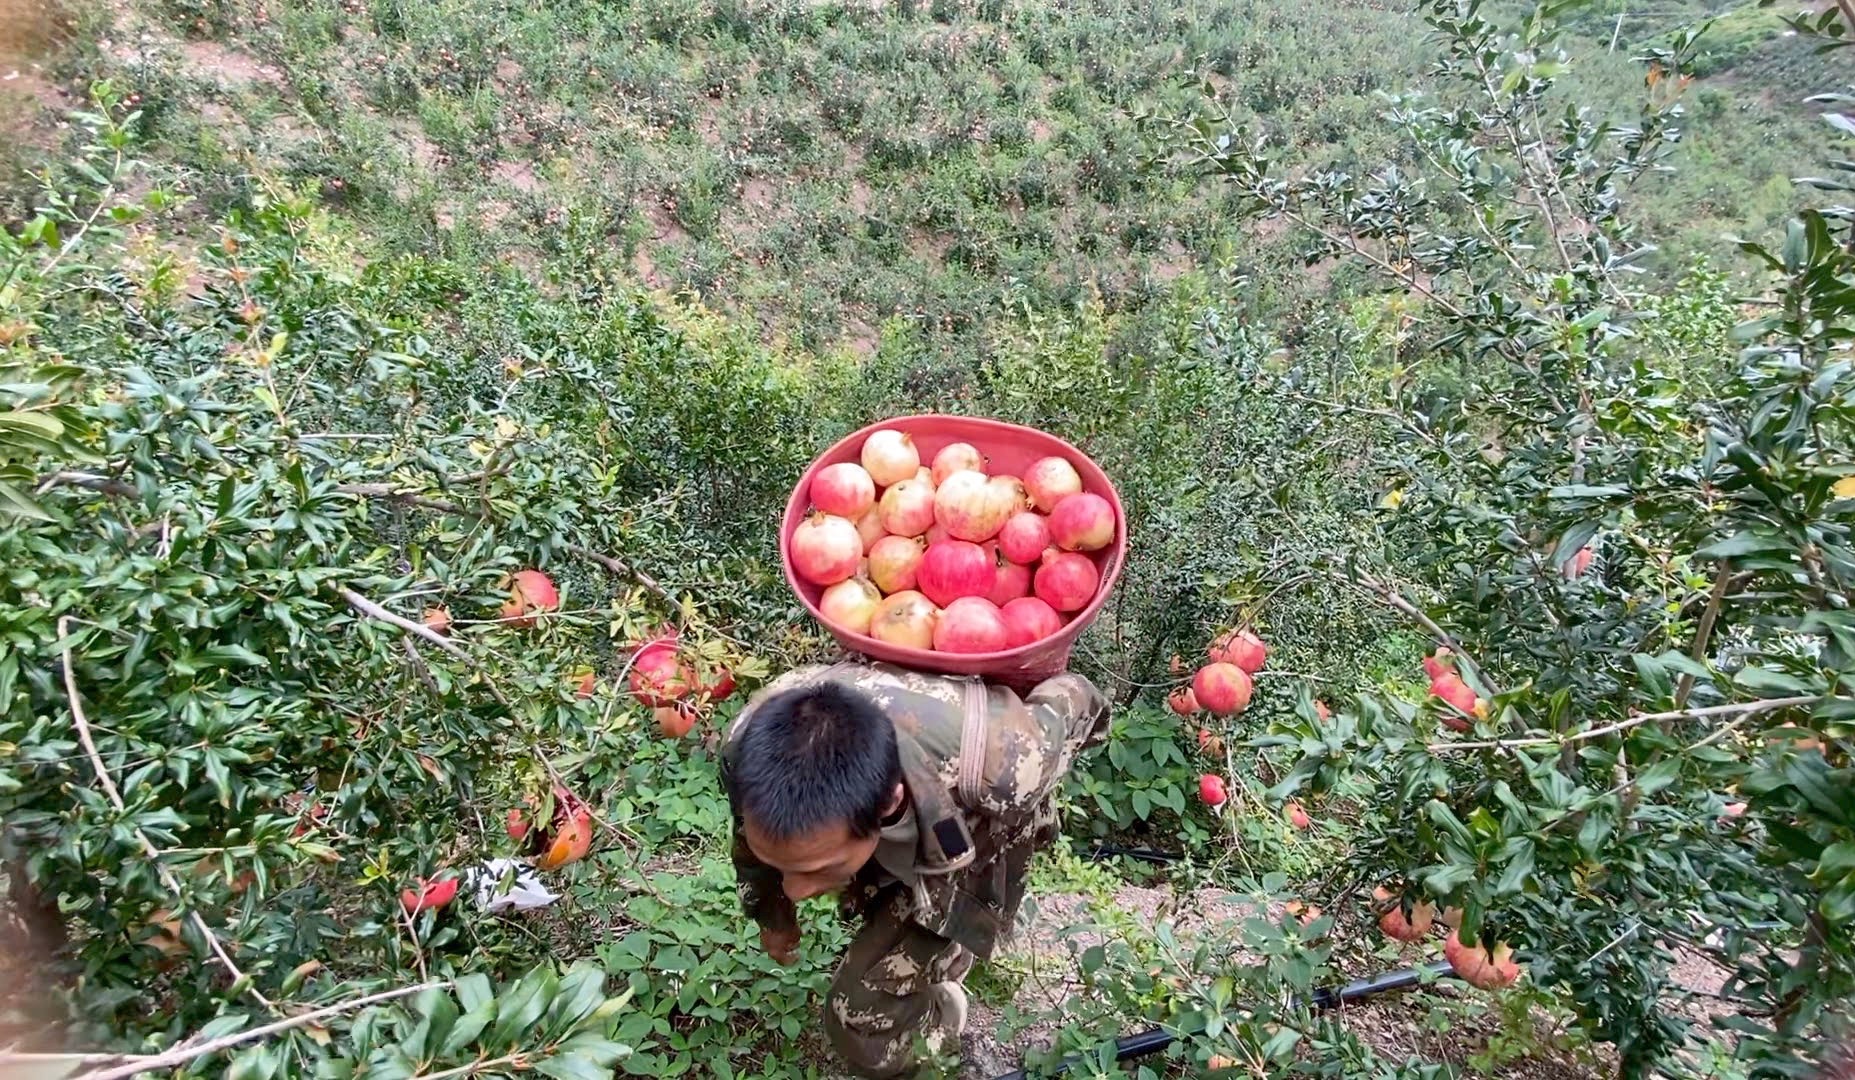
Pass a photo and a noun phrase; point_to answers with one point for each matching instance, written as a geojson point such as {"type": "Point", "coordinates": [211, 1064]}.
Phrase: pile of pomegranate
{"type": "Point", "coordinates": [946, 556]}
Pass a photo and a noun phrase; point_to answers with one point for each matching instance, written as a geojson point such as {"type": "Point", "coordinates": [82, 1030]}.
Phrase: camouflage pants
{"type": "Point", "coordinates": [884, 997]}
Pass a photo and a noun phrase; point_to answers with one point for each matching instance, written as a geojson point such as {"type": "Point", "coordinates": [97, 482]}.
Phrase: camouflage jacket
{"type": "Point", "coordinates": [963, 843]}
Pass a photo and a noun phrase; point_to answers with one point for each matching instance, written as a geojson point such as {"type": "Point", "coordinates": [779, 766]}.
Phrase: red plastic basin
{"type": "Point", "coordinates": [1012, 449]}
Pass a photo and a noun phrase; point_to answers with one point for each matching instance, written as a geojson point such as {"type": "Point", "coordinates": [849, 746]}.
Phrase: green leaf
{"type": "Point", "coordinates": [519, 1008]}
{"type": "Point", "coordinates": [1739, 545]}
{"type": "Point", "coordinates": [1659, 775]}
{"type": "Point", "coordinates": [1656, 684]}
{"type": "Point", "coordinates": [1571, 541]}
{"type": "Point", "coordinates": [1768, 683]}
{"type": "Point", "coordinates": [1837, 858]}
{"type": "Point", "coordinates": [474, 991]}
{"type": "Point", "coordinates": [465, 1030]}
{"type": "Point", "coordinates": [573, 1067]}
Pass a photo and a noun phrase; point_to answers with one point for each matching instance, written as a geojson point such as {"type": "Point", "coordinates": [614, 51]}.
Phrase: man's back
{"type": "Point", "coordinates": [947, 862]}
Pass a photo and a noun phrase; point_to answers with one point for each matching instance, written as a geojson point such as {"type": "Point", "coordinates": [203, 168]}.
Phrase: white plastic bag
{"type": "Point", "coordinates": [524, 894]}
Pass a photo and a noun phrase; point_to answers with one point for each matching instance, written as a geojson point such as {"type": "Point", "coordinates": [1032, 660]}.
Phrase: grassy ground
{"type": "Point", "coordinates": [830, 171]}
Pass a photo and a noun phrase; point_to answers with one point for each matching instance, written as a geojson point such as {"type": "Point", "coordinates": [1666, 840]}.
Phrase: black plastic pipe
{"type": "Point", "coordinates": [1129, 1047]}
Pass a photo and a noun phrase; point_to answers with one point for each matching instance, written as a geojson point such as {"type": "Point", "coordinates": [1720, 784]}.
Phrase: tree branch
{"type": "Point", "coordinates": [1392, 597]}
{"type": "Point", "coordinates": [1704, 631]}
{"type": "Point", "coordinates": [115, 797]}
{"type": "Point", "coordinates": [1742, 709]}
{"type": "Point", "coordinates": [625, 569]}
{"type": "Point", "coordinates": [375, 611]}
{"type": "Point", "coordinates": [182, 1055]}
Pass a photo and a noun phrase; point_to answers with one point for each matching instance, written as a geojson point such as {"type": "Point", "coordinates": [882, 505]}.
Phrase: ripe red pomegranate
{"type": "Point", "coordinates": [674, 721]}
{"type": "Point", "coordinates": [1082, 522]}
{"type": "Point", "coordinates": [1024, 537]}
{"type": "Point", "coordinates": [1242, 648]}
{"type": "Point", "coordinates": [844, 490]}
{"type": "Point", "coordinates": [971, 624]}
{"type": "Point", "coordinates": [1297, 816]}
{"type": "Point", "coordinates": [1028, 619]}
{"type": "Point", "coordinates": [936, 534]}
{"type": "Point", "coordinates": [428, 895]}
{"type": "Point", "coordinates": [971, 507]}
{"type": "Point", "coordinates": [1440, 663]}
{"type": "Point", "coordinates": [1456, 693]}
{"type": "Point", "coordinates": [954, 569]}
{"type": "Point", "coordinates": [587, 682]}
{"type": "Point", "coordinates": [1321, 710]}
{"type": "Point", "coordinates": [826, 549]}
{"type": "Point", "coordinates": [1050, 479]}
{"type": "Point", "coordinates": [1480, 966]}
{"type": "Point", "coordinates": [955, 457]}
{"type": "Point", "coordinates": [1211, 790]}
{"type": "Point", "coordinates": [437, 619]}
{"type": "Point", "coordinates": [1066, 581]}
{"type": "Point", "coordinates": [1733, 810]}
{"type": "Point", "coordinates": [1395, 923]}
{"type": "Point", "coordinates": [658, 677]}
{"type": "Point", "coordinates": [1208, 742]}
{"type": "Point", "coordinates": [869, 527]}
{"type": "Point", "coordinates": [531, 594]}
{"type": "Point", "coordinates": [1580, 562]}
{"type": "Point", "coordinates": [890, 456]}
{"type": "Point", "coordinates": [1306, 913]}
{"type": "Point", "coordinates": [894, 562]}
{"type": "Point", "coordinates": [1223, 689]}
{"type": "Point", "coordinates": [721, 689]}
{"type": "Point", "coordinates": [1182, 701]}
{"type": "Point", "coordinates": [907, 618]}
{"type": "Point", "coordinates": [850, 605]}
{"type": "Point", "coordinates": [568, 835]}
{"type": "Point", "coordinates": [516, 824]}
{"type": "Point", "coordinates": [1010, 580]}
{"type": "Point", "coordinates": [908, 508]}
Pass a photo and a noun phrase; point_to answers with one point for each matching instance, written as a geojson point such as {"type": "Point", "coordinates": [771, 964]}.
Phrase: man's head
{"type": "Point", "coordinates": [812, 777]}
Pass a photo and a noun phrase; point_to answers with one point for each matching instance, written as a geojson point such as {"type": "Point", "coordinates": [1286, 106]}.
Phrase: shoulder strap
{"type": "Point", "coordinates": [973, 745]}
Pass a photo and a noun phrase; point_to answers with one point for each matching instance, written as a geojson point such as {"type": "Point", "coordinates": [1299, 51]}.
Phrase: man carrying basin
{"type": "Point", "coordinates": [917, 784]}
{"type": "Point", "coordinates": [920, 799]}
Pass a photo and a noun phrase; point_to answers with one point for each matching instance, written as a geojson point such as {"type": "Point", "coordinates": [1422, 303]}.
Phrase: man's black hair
{"type": "Point", "coordinates": [811, 757]}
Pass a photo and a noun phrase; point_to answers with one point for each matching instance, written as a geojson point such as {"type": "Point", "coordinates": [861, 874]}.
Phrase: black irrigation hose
{"type": "Point", "coordinates": [1129, 1047]}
